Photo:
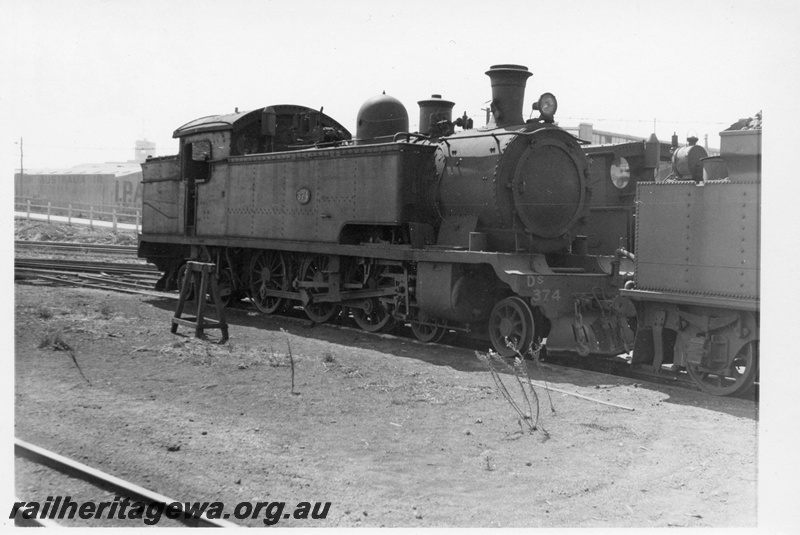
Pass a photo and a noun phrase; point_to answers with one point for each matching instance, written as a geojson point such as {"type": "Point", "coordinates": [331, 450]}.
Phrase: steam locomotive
{"type": "Point", "coordinates": [514, 233]}
{"type": "Point", "coordinates": [696, 287]}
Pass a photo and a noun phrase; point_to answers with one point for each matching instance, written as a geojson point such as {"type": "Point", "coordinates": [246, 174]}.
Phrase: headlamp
{"type": "Point", "coordinates": [547, 106]}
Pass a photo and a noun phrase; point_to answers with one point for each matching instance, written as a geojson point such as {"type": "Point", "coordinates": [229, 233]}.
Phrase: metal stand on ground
{"type": "Point", "coordinates": [199, 322]}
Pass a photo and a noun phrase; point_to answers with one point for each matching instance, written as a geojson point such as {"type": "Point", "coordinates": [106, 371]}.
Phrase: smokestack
{"type": "Point", "coordinates": [508, 93]}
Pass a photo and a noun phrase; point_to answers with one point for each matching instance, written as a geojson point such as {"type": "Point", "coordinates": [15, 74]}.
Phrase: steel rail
{"type": "Point", "coordinates": [109, 285]}
{"type": "Point", "coordinates": [69, 246]}
{"type": "Point", "coordinates": [97, 477]}
{"type": "Point", "coordinates": [85, 266]}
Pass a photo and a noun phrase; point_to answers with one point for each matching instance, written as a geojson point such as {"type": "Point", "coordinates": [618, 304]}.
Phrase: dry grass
{"type": "Point", "coordinates": [200, 352]}
{"type": "Point", "coordinates": [43, 231]}
{"type": "Point", "coordinates": [54, 340]}
{"type": "Point", "coordinates": [44, 313]}
{"type": "Point", "coordinates": [526, 403]}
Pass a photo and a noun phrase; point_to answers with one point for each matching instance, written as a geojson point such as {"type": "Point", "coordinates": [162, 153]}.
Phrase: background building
{"type": "Point", "coordinates": [102, 186]}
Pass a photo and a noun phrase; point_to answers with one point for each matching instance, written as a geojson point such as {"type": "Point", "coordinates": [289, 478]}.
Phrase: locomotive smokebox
{"type": "Point", "coordinates": [379, 119]}
{"type": "Point", "coordinates": [435, 116]}
{"type": "Point", "coordinates": [524, 188]}
{"type": "Point", "coordinates": [508, 93]}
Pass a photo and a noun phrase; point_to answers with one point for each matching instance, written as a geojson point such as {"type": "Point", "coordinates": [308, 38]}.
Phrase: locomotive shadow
{"type": "Point", "coordinates": [459, 357]}
{"type": "Point", "coordinates": [744, 404]}
{"type": "Point", "coordinates": [339, 331]}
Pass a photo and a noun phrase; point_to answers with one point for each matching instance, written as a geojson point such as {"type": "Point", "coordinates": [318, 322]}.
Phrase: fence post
{"type": "Point", "coordinates": [69, 214]}
{"type": "Point", "coordinates": [91, 217]}
{"type": "Point", "coordinates": [114, 218]}
{"type": "Point", "coordinates": [29, 209]}
{"type": "Point", "coordinates": [138, 215]}
{"type": "Point", "coordinates": [48, 211]}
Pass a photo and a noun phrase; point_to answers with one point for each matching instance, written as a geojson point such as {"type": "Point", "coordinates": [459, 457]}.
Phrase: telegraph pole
{"type": "Point", "coordinates": [21, 168]}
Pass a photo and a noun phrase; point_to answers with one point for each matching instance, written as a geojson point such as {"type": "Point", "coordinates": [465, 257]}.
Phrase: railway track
{"type": "Point", "coordinates": [85, 266]}
{"type": "Point", "coordinates": [124, 277]}
{"type": "Point", "coordinates": [106, 482]}
{"type": "Point", "coordinates": [141, 278]}
{"type": "Point", "coordinates": [74, 248]}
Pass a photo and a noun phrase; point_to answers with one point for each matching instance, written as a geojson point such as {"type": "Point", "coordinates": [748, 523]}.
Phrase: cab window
{"type": "Point", "coordinates": [195, 162]}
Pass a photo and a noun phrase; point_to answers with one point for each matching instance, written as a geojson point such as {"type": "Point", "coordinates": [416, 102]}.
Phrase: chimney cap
{"type": "Point", "coordinates": [509, 68]}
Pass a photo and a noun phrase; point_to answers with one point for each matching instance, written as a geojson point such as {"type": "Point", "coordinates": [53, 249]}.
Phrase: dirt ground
{"type": "Point", "coordinates": [392, 432]}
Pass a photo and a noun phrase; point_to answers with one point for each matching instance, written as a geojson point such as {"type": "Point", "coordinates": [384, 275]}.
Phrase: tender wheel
{"type": "Point", "coordinates": [375, 316]}
{"type": "Point", "coordinates": [739, 377]}
{"type": "Point", "coordinates": [313, 271]}
{"type": "Point", "coordinates": [268, 271]}
{"type": "Point", "coordinates": [511, 320]}
{"type": "Point", "coordinates": [424, 331]}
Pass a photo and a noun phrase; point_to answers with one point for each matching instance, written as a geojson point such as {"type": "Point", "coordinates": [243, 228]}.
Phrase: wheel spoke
{"type": "Point", "coordinates": [268, 271]}
{"type": "Point", "coordinates": [225, 285]}
{"type": "Point", "coordinates": [738, 377]}
{"type": "Point", "coordinates": [193, 283]}
{"type": "Point", "coordinates": [313, 271]}
{"type": "Point", "coordinates": [376, 316]}
{"type": "Point", "coordinates": [511, 321]}
{"type": "Point", "coordinates": [425, 332]}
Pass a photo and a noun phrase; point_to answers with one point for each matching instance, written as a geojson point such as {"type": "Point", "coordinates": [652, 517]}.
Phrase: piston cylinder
{"type": "Point", "coordinates": [453, 292]}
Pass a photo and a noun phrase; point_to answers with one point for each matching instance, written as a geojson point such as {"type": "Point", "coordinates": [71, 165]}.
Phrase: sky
{"type": "Point", "coordinates": [82, 80]}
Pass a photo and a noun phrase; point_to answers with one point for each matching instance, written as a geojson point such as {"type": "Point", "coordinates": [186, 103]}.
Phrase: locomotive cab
{"type": "Point", "coordinates": [271, 129]}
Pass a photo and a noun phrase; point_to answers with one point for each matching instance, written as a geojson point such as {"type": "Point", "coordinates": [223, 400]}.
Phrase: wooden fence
{"type": "Point", "coordinates": [92, 213]}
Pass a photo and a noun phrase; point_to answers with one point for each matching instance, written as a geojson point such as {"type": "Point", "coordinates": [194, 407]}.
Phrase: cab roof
{"type": "Point", "coordinates": [237, 120]}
